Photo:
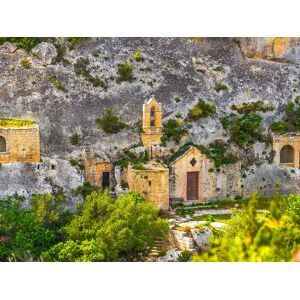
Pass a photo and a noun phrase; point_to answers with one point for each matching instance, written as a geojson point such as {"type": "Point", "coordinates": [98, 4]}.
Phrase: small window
{"type": "Point", "coordinates": [2, 144]}
{"type": "Point", "coordinates": [149, 183]}
{"type": "Point", "coordinates": [53, 167]}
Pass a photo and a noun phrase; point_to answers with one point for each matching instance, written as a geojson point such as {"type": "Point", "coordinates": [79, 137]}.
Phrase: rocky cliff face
{"type": "Point", "coordinates": [64, 103]}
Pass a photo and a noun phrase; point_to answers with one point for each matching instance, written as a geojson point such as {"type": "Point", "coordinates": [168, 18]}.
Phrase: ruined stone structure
{"type": "Point", "coordinates": [152, 123]}
{"type": "Point", "coordinates": [98, 172]}
{"type": "Point", "coordinates": [151, 182]}
{"type": "Point", "coordinates": [287, 150]}
{"type": "Point", "coordinates": [193, 177]}
{"type": "Point", "coordinates": [20, 144]}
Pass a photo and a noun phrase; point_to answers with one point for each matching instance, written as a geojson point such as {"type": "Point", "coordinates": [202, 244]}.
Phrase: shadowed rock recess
{"type": "Point", "coordinates": [65, 91]}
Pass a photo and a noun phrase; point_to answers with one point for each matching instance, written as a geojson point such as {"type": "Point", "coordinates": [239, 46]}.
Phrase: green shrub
{"type": "Point", "coordinates": [138, 166]}
{"type": "Point", "coordinates": [23, 237]}
{"type": "Point", "coordinates": [125, 72]}
{"type": "Point", "coordinates": [218, 69]}
{"type": "Point", "coordinates": [201, 110]}
{"type": "Point", "coordinates": [26, 43]}
{"type": "Point", "coordinates": [138, 56]}
{"type": "Point", "coordinates": [177, 99]}
{"type": "Point", "coordinates": [184, 256]}
{"type": "Point", "coordinates": [281, 127]}
{"type": "Point", "coordinates": [110, 122]}
{"type": "Point", "coordinates": [244, 129]}
{"type": "Point", "coordinates": [75, 41]}
{"type": "Point", "coordinates": [74, 139]}
{"type": "Point", "coordinates": [252, 236]}
{"type": "Point", "coordinates": [77, 163]}
{"type": "Point", "coordinates": [56, 83]}
{"type": "Point", "coordinates": [220, 86]}
{"type": "Point", "coordinates": [173, 130]}
{"type": "Point", "coordinates": [252, 107]}
{"type": "Point", "coordinates": [26, 64]}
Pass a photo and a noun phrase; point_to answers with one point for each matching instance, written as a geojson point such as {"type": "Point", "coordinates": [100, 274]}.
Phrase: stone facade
{"type": "Point", "coordinates": [287, 150]}
{"type": "Point", "coordinates": [20, 144]}
{"type": "Point", "coordinates": [97, 172]}
{"type": "Point", "coordinates": [151, 182]}
{"type": "Point", "coordinates": [193, 177]}
{"type": "Point", "coordinates": [152, 123]}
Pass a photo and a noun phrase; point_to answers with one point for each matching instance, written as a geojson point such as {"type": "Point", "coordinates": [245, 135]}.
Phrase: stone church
{"type": "Point", "coordinates": [191, 177]}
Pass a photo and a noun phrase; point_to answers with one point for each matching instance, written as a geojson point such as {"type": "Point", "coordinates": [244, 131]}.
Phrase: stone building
{"type": "Point", "coordinates": [20, 143]}
{"type": "Point", "coordinates": [152, 124]}
{"type": "Point", "coordinates": [286, 148]}
{"type": "Point", "coordinates": [193, 177]}
{"type": "Point", "coordinates": [152, 182]}
{"type": "Point", "coordinates": [98, 171]}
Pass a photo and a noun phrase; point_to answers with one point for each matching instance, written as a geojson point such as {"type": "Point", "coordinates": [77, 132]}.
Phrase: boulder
{"type": "Point", "coordinates": [171, 256]}
{"type": "Point", "coordinates": [46, 52]}
{"type": "Point", "coordinates": [201, 237]}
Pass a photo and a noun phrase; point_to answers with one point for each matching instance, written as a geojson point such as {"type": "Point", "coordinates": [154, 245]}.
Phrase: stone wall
{"type": "Point", "coordinates": [22, 144]}
{"type": "Point", "coordinates": [212, 184]}
{"type": "Point", "coordinates": [279, 141]}
{"type": "Point", "coordinates": [152, 183]}
{"type": "Point", "coordinates": [94, 171]}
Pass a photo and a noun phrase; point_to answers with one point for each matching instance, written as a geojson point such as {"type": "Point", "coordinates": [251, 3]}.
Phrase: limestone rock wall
{"type": "Point", "coordinates": [172, 67]}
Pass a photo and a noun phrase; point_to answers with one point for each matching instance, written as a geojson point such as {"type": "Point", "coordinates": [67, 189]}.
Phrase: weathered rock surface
{"type": "Point", "coordinates": [172, 67]}
{"type": "Point", "coordinates": [49, 176]}
{"type": "Point", "coordinates": [46, 52]}
{"type": "Point", "coordinates": [281, 49]}
{"type": "Point", "coordinates": [171, 256]}
{"type": "Point", "coordinates": [201, 237]}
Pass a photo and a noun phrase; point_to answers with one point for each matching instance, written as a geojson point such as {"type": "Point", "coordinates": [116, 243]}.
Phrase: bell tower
{"type": "Point", "coordinates": [152, 123]}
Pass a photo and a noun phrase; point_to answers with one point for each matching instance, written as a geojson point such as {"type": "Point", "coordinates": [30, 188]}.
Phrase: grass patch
{"type": "Point", "coordinates": [56, 83]}
{"type": "Point", "coordinates": [6, 123]}
{"type": "Point", "coordinates": [26, 64]}
{"type": "Point", "coordinates": [220, 86]}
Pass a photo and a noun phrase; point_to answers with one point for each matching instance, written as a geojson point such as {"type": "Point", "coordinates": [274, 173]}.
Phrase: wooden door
{"type": "Point", "coordinates": [192, 188]}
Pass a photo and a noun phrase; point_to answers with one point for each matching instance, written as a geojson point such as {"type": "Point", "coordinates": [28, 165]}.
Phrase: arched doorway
{"type": "Point", "coordinates": [287, 154]}
{"type": "Point", "coordinates": [2, 144]}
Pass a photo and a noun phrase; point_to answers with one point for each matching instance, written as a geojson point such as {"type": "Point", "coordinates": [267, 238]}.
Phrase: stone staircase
{"type": "Point", "coordinates": [153, 254]}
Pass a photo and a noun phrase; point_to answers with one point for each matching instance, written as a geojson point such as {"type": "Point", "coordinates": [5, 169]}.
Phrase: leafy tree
{"type": "Point", "coordinates": [22, 235]}
{"type": "Point", "coordinates": [110, 230]}
{"type": "Point", "coordinates": [110, 122]}
{"type": "Point", "coordinates": [254, 236]}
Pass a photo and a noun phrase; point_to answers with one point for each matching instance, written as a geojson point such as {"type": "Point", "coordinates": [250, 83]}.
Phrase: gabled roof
{"type": "Point", "coordinates": [152, 99]}
{"type": "Point", "coordinates": [184, 153]}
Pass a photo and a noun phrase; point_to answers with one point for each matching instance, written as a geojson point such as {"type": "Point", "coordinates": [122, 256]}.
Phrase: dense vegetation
{"type": "Point", "coordinates": [110, 122]}
{"type": "Point", "coordinates": [101, 228]}
{"type": "Point", "coordinates": [292, 118]}
{"type": "Point", "coordinates": [125, 72]}
{"type": "Point", "coordinates": [173, 130]}
{"type": "Point", "coordinates": [273, 235]}
{"type": "Point", "coordinates": [245, 127]}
